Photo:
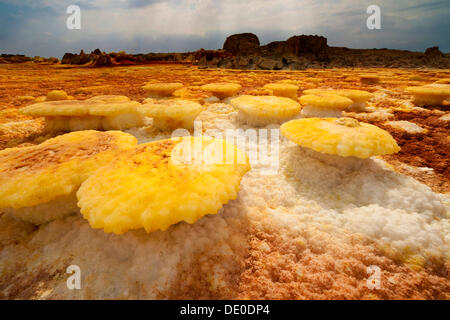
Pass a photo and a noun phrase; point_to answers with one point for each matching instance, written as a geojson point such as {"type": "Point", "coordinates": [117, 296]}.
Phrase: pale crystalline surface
{"type": "Point", "coordinates": [407, 126]}
{"type": "Point", "coordinates": [365, 198]}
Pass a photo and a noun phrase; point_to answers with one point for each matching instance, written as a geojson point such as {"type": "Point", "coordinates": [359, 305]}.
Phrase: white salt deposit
{"type": "Point", "coordinates": [407, 126]}
{"type": "Point", "coordinates": [364, 197]}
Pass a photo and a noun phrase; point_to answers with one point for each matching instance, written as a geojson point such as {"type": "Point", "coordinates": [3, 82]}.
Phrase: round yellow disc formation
{"type": "Point", "coordinates": [56, 95]}
{"type": "Point", "coordinates": [110, 105]}
{"type": "Point", "coordinates": [326, 101]}
{"type": "Point", "coordinates": [433, 95]}
{"type": "Point", "coordinates": [162, 89]}
{"type": "Point", "coordinates": [154, 187]}
{"type": "Point", "coordinates": [283, 90]}
{"type": "Point", "coordinates": [340, 136]}
{"type": "Point", "coordinates": [222, 89]}
{"type": "Point", "coordinates": [56, 167]}
{"type": "Point", "coordinates": [172, 114]}
{"type": "Point", "coordinates": [57, 108]}
{"type": "Point", "coordinates": [107, 112]}
{"type": "Point", "coordinates": [266, 107]}
{"type": "Point", "coordinates": [175, 108]}
{"type": "Point", "coordinates": [100, 105]}
{"type": "Point", "coordinates": [354, 95]}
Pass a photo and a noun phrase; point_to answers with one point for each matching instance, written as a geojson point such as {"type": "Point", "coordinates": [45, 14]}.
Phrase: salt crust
{"type": "Point", "coordinates": [366, 197]}
{"type": "Point", "coordinates": [369, 199]}
{"type": "Point", "coordinates": [407, 126]}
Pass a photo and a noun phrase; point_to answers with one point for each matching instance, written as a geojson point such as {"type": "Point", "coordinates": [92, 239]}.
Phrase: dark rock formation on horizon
{"type": "Point", "coordinates": [20, 58]}
{"type": "Point", "coordinates": [434, 53]}
{"type": "Point", "coordinates": [242, 44]}
{"type": "Point", "coordinates": [97, 58]}
{"type": "Point", "coordinates": [243, 51]}
{"type": "Point", "coordinates": [312, 51]}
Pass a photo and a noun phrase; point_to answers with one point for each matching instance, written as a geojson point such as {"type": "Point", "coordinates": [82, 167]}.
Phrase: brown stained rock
{"type": "Point", "coordinates": [242, 44]}
{"type": "Point", "coordinates": [433, 53]}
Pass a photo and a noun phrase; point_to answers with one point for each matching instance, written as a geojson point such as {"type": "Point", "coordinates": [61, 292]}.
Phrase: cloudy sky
{"type": "Point", "coordinates": [38, 27]}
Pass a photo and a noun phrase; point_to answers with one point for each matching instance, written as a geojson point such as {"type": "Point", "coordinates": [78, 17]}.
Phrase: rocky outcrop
{"type": "Point", "coordinates": [312, 51]}
{"type": "Point", "coordinates": [97, 58]}
{"type": "Point", "coordinates": [313, 46]}
{"type": "Point", "coordinates": [242, 44]}
{"type": "Point", "coordinates": [433, 57]}
{"type": "Point", "coordinates": [78, 59]}
{"type": "Point", "coordinates": [245, 52]}
{"type": "Point", "coordinates": [102, 60]}
{"type": "Point", "coordinates": [20, 58]}
{"type": "Point", "coordinates": [433, 53]}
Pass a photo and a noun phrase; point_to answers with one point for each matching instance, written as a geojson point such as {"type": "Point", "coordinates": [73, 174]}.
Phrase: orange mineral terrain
{"type": "Point", "coordinates": [339, 189]}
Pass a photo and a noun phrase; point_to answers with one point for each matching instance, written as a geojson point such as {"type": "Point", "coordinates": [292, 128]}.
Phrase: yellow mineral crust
{"type": "Point", "coordinates": [443, 81]}
{"type": "Point", "coordinates": [344, 137]}
{"type": "Point", "coordinates": [107, 112]}
{"type": "Point", "coordinates": [287, 90]}
{"type": "Point", "coordinates": [161, 89]}
{"type": "Point", "coordinates": [37, 174]}
{"type": "Point", "coordinates": [57, 108]}
{"type": "Point", "coordinates": [262, 110]}
{"type": "Point", "coordinates": [357, 96]}
{"type": "Point", "coordinates": [326, 101]}
{"type": "Point", "coordinates": [222, 89]}
{"type": "Point", "coordinates": [56, 95]}
{"type": "Point", "coordinates": [154, 187]}
{"type": "Point", "coordinates": [171, 114]}
{"type": "Point", "coordinates": [433, 95]}
{"type": "Point", "coordinates": [324, 104]}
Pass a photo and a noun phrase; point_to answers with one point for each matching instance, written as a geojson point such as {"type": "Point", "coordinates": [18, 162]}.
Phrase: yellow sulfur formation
{"type": "Point", "coordinates": [324, 105]}
{"type": "Point", "coordinates": [172, 114]}
{"type": "Point", "coordinates": [57, 108]}
{"type": "Point", "coordinates": [38, 174]}
{"type": "Point", "coordinates": [357, 96]}
{"type": "Point", "coordinates": [109, 112]}
{"type": "Point", "coordinates": [262, 110]}
{"type": "Point", "coordinates": [283, 90]}
{"type": "Point", "coordinates": [222, 89]}
{"type": "Point", "coordinates": [56, 95]}
{"type": "Point", "coordinates": [326, 101]}
{"type": "Point", "coordinates": [443, 81]}
{"type": "Point", "coordinates": [432, 95]}
{"type": "Point", "coordinates": [161, 89]}
{"type": "Point", "coordinates": [344, 137]}
{"type": "Point", "coordinates": [111, 98]}
{"type": "Point", "coordinates": [152, 187]}
{"type": "Point", "coordinates": [111, 105]}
